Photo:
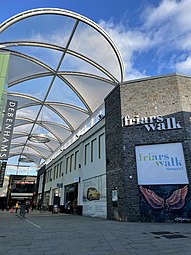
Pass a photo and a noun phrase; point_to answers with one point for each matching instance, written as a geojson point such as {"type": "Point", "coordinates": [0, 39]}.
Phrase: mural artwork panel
{"type": "Point", "coordinates": [94, 197]}
{"type": "Point", "coordinates": [162, 180]}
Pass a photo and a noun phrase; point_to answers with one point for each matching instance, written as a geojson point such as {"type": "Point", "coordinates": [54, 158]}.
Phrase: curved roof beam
{"type": "Point", "coordinates": [55, 47]}
{"type": "Point", "coordinates": [47, 104]}
{"type": "Point", "coordinates": [16, 145]}
{"type": "Point", "coordinates": [57, 137]}
{"type": "Point", "coordinates": [37, 68]}
{"type": "Point", "coordinates": [16, 94]}
{"type": "Point", "coordinates": [41, 104]}
{"type": "Point", "coordinates": [29, 156]}
{"type": "Point", "coordinates": [53, 73]}
{"type": "Point", "coordinates": [28, 120]}
{"type": "Point", "coordinates": [34, 60]}
{"type": "Point", "coordinates": [38, 154]}
{"type": "Point", "coordinates": [42, 11]}
{"type": "Point", "coordinates": [22, 134]}
{"type": "Point", "coordinates": [38, 101]}
{"type": "Point", "coordinates": [54, 77]}
{"type": "Point", "coordinates": [68, 105]}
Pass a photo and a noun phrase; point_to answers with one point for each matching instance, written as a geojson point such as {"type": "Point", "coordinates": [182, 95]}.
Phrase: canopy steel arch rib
{"type": "Point", "coordinates": [57, 137]}
{"type": "Point", "coordinates": [39, 102]}
{"type": "Point", "coordinates": [32, 59]}
{"type": "Point", "coordinates": [42, 11]}
{"type": "Point", "coordinates": [22, 134]}
{"type": "Point", "coordinates": [33, 148]}
{"type": "Point", "coordinates": [55, 47]}
{"type": "Point", "coordinates": [48, 105]}
{"type": "Point", "coordinates": [51, 72]}
{"type": "Point", "coordinates": [54, 77]}
{"type": "Point", "coordinates": [105, 76]}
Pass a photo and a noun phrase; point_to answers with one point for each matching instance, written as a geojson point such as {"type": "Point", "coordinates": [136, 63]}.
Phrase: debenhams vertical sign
{"type": "Point", "coordinates": [7, 129]}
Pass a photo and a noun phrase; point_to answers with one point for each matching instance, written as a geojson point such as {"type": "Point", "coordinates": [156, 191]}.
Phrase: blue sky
{"type": "Point", "coordinates": [153, 36]}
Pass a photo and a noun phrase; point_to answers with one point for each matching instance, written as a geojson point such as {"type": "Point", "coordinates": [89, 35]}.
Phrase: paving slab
{"type": "Point", "coordinates": [63, 234]}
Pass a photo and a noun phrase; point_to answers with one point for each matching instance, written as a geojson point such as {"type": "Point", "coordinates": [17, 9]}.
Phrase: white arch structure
{"type": "Point", "coordinates": [62, 65]}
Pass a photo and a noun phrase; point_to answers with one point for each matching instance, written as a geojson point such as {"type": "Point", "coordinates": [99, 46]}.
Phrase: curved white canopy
{"type": "Point", "coordinates": [62, 65]}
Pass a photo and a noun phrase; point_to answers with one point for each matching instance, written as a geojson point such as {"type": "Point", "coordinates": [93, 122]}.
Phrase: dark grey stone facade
{"type": "Point", "coordinates": [167, 96]}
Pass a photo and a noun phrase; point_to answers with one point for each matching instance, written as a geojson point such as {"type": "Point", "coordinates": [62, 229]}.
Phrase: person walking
{"type": "Point", "coordinates": [27, 207]}
{"type": "Point", "coordinates": [16, 207]}
{"type": "Point", "coordinates": [11, 207]}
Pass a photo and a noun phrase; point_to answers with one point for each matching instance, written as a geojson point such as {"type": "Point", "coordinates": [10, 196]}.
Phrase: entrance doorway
{"type": "Point", "coordinates": [71, 196]}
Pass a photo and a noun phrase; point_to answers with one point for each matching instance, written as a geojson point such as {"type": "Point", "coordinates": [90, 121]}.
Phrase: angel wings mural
{"type": "Point", "coordinates": [174, 202]}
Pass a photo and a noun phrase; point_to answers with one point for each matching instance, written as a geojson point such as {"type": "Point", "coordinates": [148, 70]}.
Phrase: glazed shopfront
{"type": "Point", "coordinates": [148, 149]}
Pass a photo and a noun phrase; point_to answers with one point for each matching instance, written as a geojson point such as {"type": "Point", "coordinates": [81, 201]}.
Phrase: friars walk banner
{"type": "Point", "coordinates": [161, 164]}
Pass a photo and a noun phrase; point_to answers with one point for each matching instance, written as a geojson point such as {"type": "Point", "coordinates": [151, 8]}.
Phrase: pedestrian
{"type": "Point", "coordinates": [3, 206]}
{"type": "Point", "coordinates": [16, 207]}
{"type": "Point", "coordinates": [27, 207]}
{"type": "Point", "coordinates": [33, 206]}
{"type": "Point", "coordinates": [11, 207]}
{"type": "Point", "coordinates": [67, 207]}
{"type": "Point", "coordinates": [74, 206]}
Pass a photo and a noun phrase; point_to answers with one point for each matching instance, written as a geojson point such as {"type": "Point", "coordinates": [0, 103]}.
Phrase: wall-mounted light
{"type": "Point", "coordinates": [100, 116]}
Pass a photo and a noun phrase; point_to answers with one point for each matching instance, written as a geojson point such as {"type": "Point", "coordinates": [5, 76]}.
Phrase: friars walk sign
{"type": "Point", "coordinates": [155, 123]}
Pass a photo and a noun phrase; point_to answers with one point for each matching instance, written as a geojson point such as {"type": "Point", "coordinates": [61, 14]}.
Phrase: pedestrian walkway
{"type": "Point", "coordinates": [61, 234]}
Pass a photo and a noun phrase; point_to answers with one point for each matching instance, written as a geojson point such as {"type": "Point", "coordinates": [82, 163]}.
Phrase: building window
{"type": "Point", "coordinates": [50, 175]}
{"type": "Point", "coordinates": [71, 162]}
{"type": "Point", "coordinates": [54, 173]}
{"type": "Point", "coordinates": [93, 149]}
{"type": "Point", "coordinates": [57, 169]}
{"type": "Point", "coordinates": [46, 177]}
{"type": "Point", "coordinates": [60, 169]}
{"type": "Point", "coordinates": [101, 144]}
{"type": "Point", "coordinates": [87, 151]}
{"type": "Point", "coordinates": [76, 159]}
{"type": "Point", "coordinates": [67, 164]}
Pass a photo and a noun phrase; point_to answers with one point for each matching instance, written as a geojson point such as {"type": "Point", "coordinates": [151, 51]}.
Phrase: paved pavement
{"type": "Point", "coordinates": [61, 234]}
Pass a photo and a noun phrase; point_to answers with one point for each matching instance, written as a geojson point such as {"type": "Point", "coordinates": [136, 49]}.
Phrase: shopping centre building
{"type": "Point", "coordinates": [117, 149]}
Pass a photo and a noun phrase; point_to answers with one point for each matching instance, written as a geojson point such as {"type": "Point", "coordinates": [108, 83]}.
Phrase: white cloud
{"type": "Point", "coordinates": [169, 21]}
{"type": "Point", "coordinates": [185, 42]}
{"type": "Point", "coordinates": [184, 66]}
{"type": "Point", "coordinates": [165, 29]}
{"type": "Point", "coordinates": [161, 14]}
{"type": "Point", "coordinates": [128, 42]}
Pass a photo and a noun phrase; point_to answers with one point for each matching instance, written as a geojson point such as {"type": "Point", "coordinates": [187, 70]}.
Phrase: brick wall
{"type": "Point", "coordinates": [168, 96]}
